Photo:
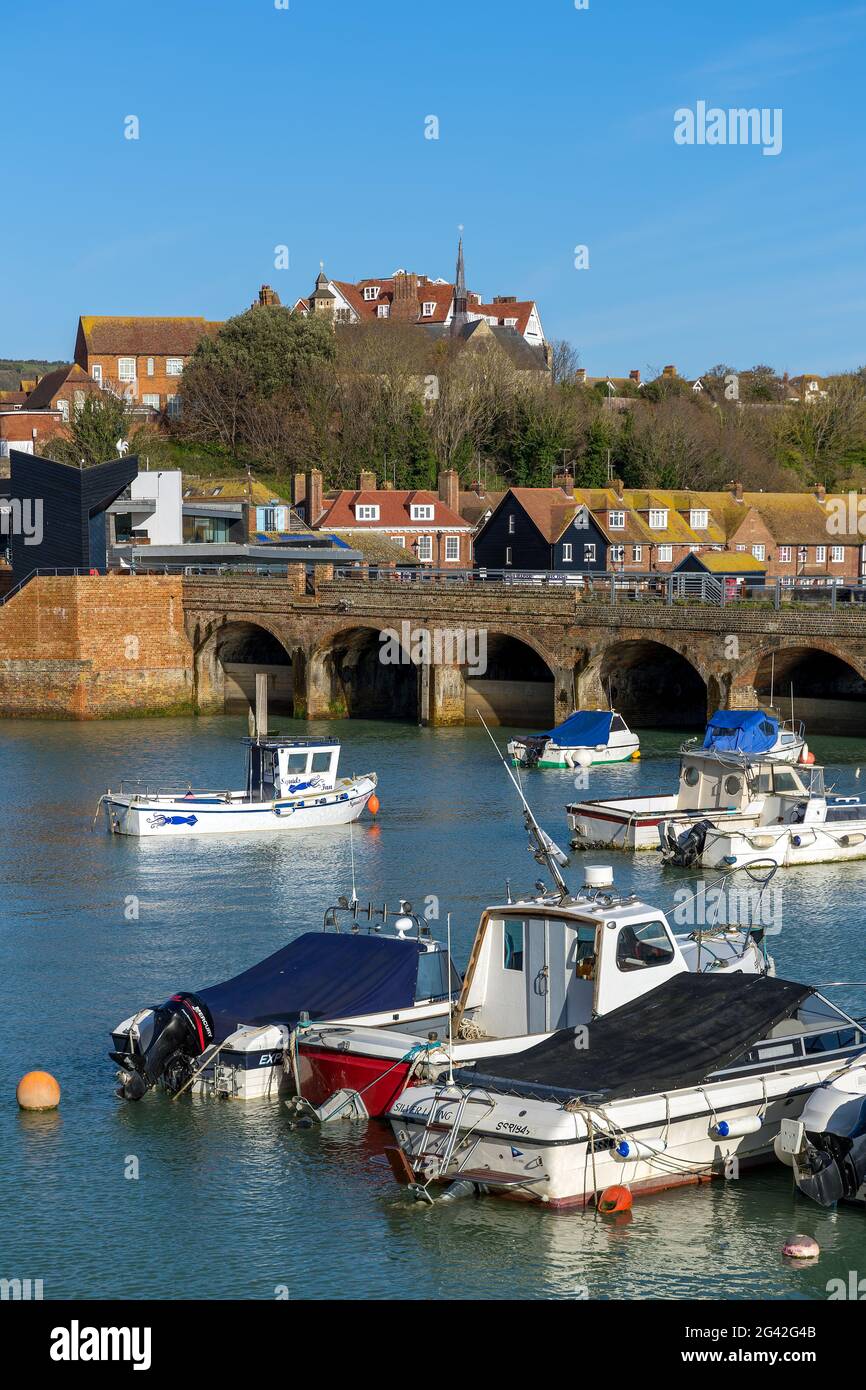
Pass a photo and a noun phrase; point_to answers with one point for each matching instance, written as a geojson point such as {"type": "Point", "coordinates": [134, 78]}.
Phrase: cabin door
{"type": "Point", "coordinates": [537, 976]}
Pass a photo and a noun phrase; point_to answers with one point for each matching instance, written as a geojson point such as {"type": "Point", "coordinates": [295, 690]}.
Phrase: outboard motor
{"type": "Point", "coordinates": [181, 1030]}
{"type": "Point", "coordinates": [832, 1169]}
{"type": "Point", "coordinates": [686, 849]}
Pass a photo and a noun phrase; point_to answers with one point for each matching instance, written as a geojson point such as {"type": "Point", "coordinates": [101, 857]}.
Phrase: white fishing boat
{"type": "Point", "coordinates": [585, 738]}
{"type": "Point", "coordinates": [791, 820]}
{"type": "Point", "coordinates": [290, 784]}
{"type": "Point", "coordinates": [722, 779]}
{"type": "Point", "coordinates": [826, 1146]}
{"type": "Point", "coordinates": [689, 1081]}
{"type": "Point", "coordinates": [235, 1039]}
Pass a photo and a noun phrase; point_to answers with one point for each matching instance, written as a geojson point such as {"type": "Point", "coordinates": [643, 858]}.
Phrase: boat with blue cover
{"type": "Point", "coordinates": [584, 738]}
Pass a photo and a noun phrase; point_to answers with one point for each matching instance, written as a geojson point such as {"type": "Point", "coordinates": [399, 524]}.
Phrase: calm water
{"type": "Point", "coordinates": [230, 1202]}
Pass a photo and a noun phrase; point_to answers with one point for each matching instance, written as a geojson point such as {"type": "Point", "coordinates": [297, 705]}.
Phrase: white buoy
{"type": "Point", "coordinates": [735, 1129]}
{"type": "Point", "coordinates": [582, 757]}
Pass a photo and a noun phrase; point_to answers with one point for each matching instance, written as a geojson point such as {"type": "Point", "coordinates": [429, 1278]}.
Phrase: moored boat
{"type": "Point", "coordinates": [585, 738]}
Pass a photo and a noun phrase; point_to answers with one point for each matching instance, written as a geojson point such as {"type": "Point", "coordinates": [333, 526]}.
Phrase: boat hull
{"type": "Point", "coordinates": [219, 815]}
{"type": "Point", "coordinates": [786, 847]}
{"type": "Point", "coordinates": [628, 824]}
{"type": "Point", "coordinates": [378, 1081]}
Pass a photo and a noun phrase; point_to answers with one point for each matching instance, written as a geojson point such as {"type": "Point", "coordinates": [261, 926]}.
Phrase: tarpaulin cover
{"type": "Point", "coordinates": [327, 975]}
{"type": "Point", "coordinates": [584, 729]}
{"type": "Point", "coordinates": [741, 731]}
{"type": "Point", "coordinates": [674, 1036]}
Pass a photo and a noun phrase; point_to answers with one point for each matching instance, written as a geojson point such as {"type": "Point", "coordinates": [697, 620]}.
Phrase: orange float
{"type": "Point", "coordinates": [38, 1090]}
{"type": "Point", "coordinates": [373, 805]}
{"type": "Point", "coordinates": [617, 1198]}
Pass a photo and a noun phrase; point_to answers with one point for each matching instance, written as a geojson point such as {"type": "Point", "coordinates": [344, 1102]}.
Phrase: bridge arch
{"type": "Point", "coordinates": [829, 688]}
{"type": "Point", "coordinates": [227, 659]}
{"type": "Point", "coordinates": [354, 674]}
{"type": "Point", "coordinates": [509, 679]}
{"type": "Point", "coordinates": [650, 683]}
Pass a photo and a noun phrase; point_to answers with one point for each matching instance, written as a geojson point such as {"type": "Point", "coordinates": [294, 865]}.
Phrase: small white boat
{"type": "Point", "coordinates": [791, 820]}
{"type": "Point", "coordinates": [585, 738]}
{"type": "Point", "coordinates": [291, 784]}
{"type": "Point", "coordinates": [826, 1146]}
{"type": "Point", "coordinates": [690, 1081]}
{"type": "Point", "coordinates": [722, 779]}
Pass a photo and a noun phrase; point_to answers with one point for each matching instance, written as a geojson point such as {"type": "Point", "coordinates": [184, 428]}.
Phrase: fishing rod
{"type": "Point", "coordinates": [547, 852]}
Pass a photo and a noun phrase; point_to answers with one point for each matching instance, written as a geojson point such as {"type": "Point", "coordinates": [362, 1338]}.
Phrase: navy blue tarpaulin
{"type": "Point", "coordinates": [324, 975]}
{"type": "Point", "coordinates": [741, 731]}
{"type": "Point", "coordinates": [585, 729]}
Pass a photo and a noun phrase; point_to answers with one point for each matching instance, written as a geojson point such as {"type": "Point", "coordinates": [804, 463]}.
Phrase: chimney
{"type": "Point", "coordinates": [449, 489]}
{"type": "Point", "coordinates": [738, 491]}
{"type": "Point", "coordinates": [388, 486]}
{"type": "Point", "coordinates": [505, 299]}
{"type": "Point", "coordinates": [404, 304]}
{"type": "Point", "coordinates": [820, 492]}
{"type": "Point", "coordinates": [635, 376]}
{"type": "Point", "coordinates": [313, 495]}
{"type": "Point", "coordinates": [669, 371]}
{"type": "Point", "coordinates": [366, 481]}
{"type": "Point", "coordinates": [267, 299]}
{"type": "Point", "coordinates": [580, 376]}
{"type": "Point", "coordinates": [617, 487]}
{"type": "Point", "coordinates": [299, 489]}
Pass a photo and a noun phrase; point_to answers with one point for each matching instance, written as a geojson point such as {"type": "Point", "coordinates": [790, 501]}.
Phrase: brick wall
{"type": "Point", "coordinates": [95, 647]}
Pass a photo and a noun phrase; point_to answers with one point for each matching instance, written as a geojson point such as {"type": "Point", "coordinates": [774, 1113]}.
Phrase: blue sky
{"type": "Point", "coordinates": [304, 127]}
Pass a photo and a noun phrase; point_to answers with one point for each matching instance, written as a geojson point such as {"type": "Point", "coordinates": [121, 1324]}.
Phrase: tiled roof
{"type": "Point", "coordinates": [45, 390]}
{"type": "Point", "coordinates": [378, 548]}
{"type": "Point", "coordinates": [475, 505]}
{"type": "Point", "coordinates": [730, 562]}
{"type": "Point", "coordinates": [137, 336]}
{"type": "Point", "coordinates": [393, 507]}
{"type": "Point", "coordinates": [548, 508]}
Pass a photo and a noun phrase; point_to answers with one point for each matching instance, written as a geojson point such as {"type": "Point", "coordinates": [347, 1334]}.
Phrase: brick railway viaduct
{"type": "Point", "coordinates": [116, 645]}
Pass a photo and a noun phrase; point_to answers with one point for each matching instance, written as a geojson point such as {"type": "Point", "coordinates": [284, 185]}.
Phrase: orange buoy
{"type": "Point", "coordinates": [617, 1198]}
{"type": "Point", "coordinates": [373, 805]}
{"type": "Point", "coordinates": [807, 756]}
{"type": "Point", "coordinates": [38, 1091]}
{"type": "Point", "coordinates": [801, 1247]}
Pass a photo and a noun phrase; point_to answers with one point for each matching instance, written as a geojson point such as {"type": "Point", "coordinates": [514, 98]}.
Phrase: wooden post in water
{"type": "Point", "coordinates": [261, 704]}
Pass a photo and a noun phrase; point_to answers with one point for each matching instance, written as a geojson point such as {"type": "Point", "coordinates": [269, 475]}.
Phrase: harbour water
{"type": "Point", "coordinates": [228, 1201]}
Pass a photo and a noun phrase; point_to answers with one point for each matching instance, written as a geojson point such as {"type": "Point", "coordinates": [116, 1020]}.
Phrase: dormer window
{"type": "Point", "coordinates": [428, 308]}
{"type": "Point", "coordinates": [366, 511]}
{"type": "Point", "coordinates": [698, 518]}
{"type": "Point", "coordinates": [384, 311]}
{"type": "Point", "coordinates": [371, 292]}
{"type": "Point", "coordinates": [616, 520]}
{"type": "Point", "coordinates": [511, 323]}
{"type": "Point", "coordinates": [421, 511]}
{"type": "Point", "coordinates": [658, 518]}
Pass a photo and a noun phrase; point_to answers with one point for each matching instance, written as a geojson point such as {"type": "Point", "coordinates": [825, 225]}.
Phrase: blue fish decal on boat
{"type": "Point", "coordinates": [173, 820]}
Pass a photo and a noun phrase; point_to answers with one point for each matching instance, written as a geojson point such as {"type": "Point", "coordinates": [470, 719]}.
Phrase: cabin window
{"type": "Point", "coordinates": [732, 785]}
{"type": "Point", "coordinates": [321, 762]}
{"type": "Point", "coordinates": [643, 946]}
{"type": "Point", "coordinates": [512, 941]}
{"type": "Point", "coordinates": [691, 776]}
{"type": "Point", "coordinates": [296, 762]}
{"type": "Point", "coordinates": [617, 725]}
{"type": "Point", "coordinates": [432, 980]}
{"type": "Point", "coordinates": [786, 782]}
{"type": "Point", "coordinates": [829, 1042]}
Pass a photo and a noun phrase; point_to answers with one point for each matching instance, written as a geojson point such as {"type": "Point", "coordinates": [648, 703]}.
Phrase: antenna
{"type": "Point", "coordinates": [450, 1009]}
{"type": "Point", "coordinates": [546, 852]}
{"type": "Point", "coordinates": [352, 859]}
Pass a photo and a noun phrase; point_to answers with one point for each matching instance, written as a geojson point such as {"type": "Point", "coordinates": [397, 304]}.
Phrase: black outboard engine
{"type": "Point", "coordinates": [832, 1169]}
{"type": "Point", "coordinates": [182, 1028]}
{"type": "Point", "coordinates": [684, 850]}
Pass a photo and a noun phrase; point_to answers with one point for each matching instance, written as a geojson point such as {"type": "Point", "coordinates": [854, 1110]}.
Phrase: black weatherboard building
{"type": "Point", "coordinates": [65, 510]}
{"type": "Point", "coordinates": [540, 528]}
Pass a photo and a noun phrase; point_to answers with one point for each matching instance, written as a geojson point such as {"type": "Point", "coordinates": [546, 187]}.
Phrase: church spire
{"type": "Point", "coordinates": [460, 316]}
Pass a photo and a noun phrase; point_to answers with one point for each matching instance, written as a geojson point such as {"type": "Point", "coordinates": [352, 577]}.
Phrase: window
{"type": "Point", "coordinates": [658, 518]}
{"type": "Point", "coordinates": [616, 520]}
{"type": "Point", "coordinates": [511, 323]}
{"type": "Point", "coordinates": [384, 311]}
{"type": "Point", "coordinates": [399, 540]}
{"type": "Point", "coordinates": [266, 518]}
{"type": "Point", "coordinates": [759, 551]}
{"type": "Point", "coordinates": [802, 554]}
{"type": "Point", "coordinates": [126, 369]}
{"type": "Point", "coordinates": [638, 948]}
{"type": "Point", "coordinates": [512, 944]}
{"type": "Point", "coordinates": [837, 554]}
{"type": "Point", "coordinates": [452, 548]}
{"type": "Point", "coordinates": [428, 308]}
{"type": "Point", "coordinates": [63, 407]}
{"type": "Point", "coordinates": [321, 762]}
{"type": "Point", "coordinates": [820, 554]}
{"type": "Point", "coordinates": [173, 366]}
{"type": "Point", "coordinates": [783, 554]}
{"type": "Point", "coordinates": [508, 555]}
{"type": "Point", "coordinates": [371, 292]}
{"type": "Point", "coordinates": [366, 512]}
{"type": "Point", "coordinates": [698, 518]}
{"type": "Point", "coordinates": [566, 554]}
{"type": "Point", "coordinates": [739, 547]}
{"type": "Point", "coordinates": [637, 553]}
{"type": "Point", "coordinates": [589, 553]}
{"type": "Point", "coordinates": [425, 547]}
{"type": "Point", "coordinates": [421, 511]}
{"type": "Point", "coordinates": [617, 554]}
{"type": "Point", "coordinates": [512, 522]}
{"type": "Point", "coordinates": [78, 400]}
{"type": "Point", "coordinates": [150, 366]}
{"type": "Point", "coordinates": [431, 982]}
{"type": "Point", "coordinates": [665, 553]}
{"type": "Point", "coordinates": [174, 406]}
{"type": "Point", "coordinates": [150, 400]}
{"type": "Point", "coordinates": [96, 373]}
{"type": "Point", "coordinates": [296, 763]}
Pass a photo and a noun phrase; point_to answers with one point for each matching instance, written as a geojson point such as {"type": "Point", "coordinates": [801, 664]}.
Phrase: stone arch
{"type": "Point", "coordinates": [829, 685]}
{"type": "Point", "coordinates": [518, 683]}
{"type": "Point", "coordinates": [650, 683]}
{"type": "Point", "coordinates": [227, 657]}
{"type": "Point", "coordinates": [353, 674]}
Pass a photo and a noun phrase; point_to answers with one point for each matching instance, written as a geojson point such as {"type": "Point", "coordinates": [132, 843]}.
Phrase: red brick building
{"type": "Point", "coordinates": [426, 524]}
{"type": "Point", "coordinates": [145, 357]}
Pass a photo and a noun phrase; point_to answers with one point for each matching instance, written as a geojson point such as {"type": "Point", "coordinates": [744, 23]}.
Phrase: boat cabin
{"type": "Point", "coordinates": [540, 965]}
{"type": "Point", "coordinates": [708, 784]}
{"type": "Point", "coordinates": [285, 766]}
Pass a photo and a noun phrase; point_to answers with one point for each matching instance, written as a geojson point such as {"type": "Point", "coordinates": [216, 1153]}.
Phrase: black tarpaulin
{"type": "Point", "coordinates": [671, 1037]}
{"type": "Point", "coordinates": [325, 975]}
